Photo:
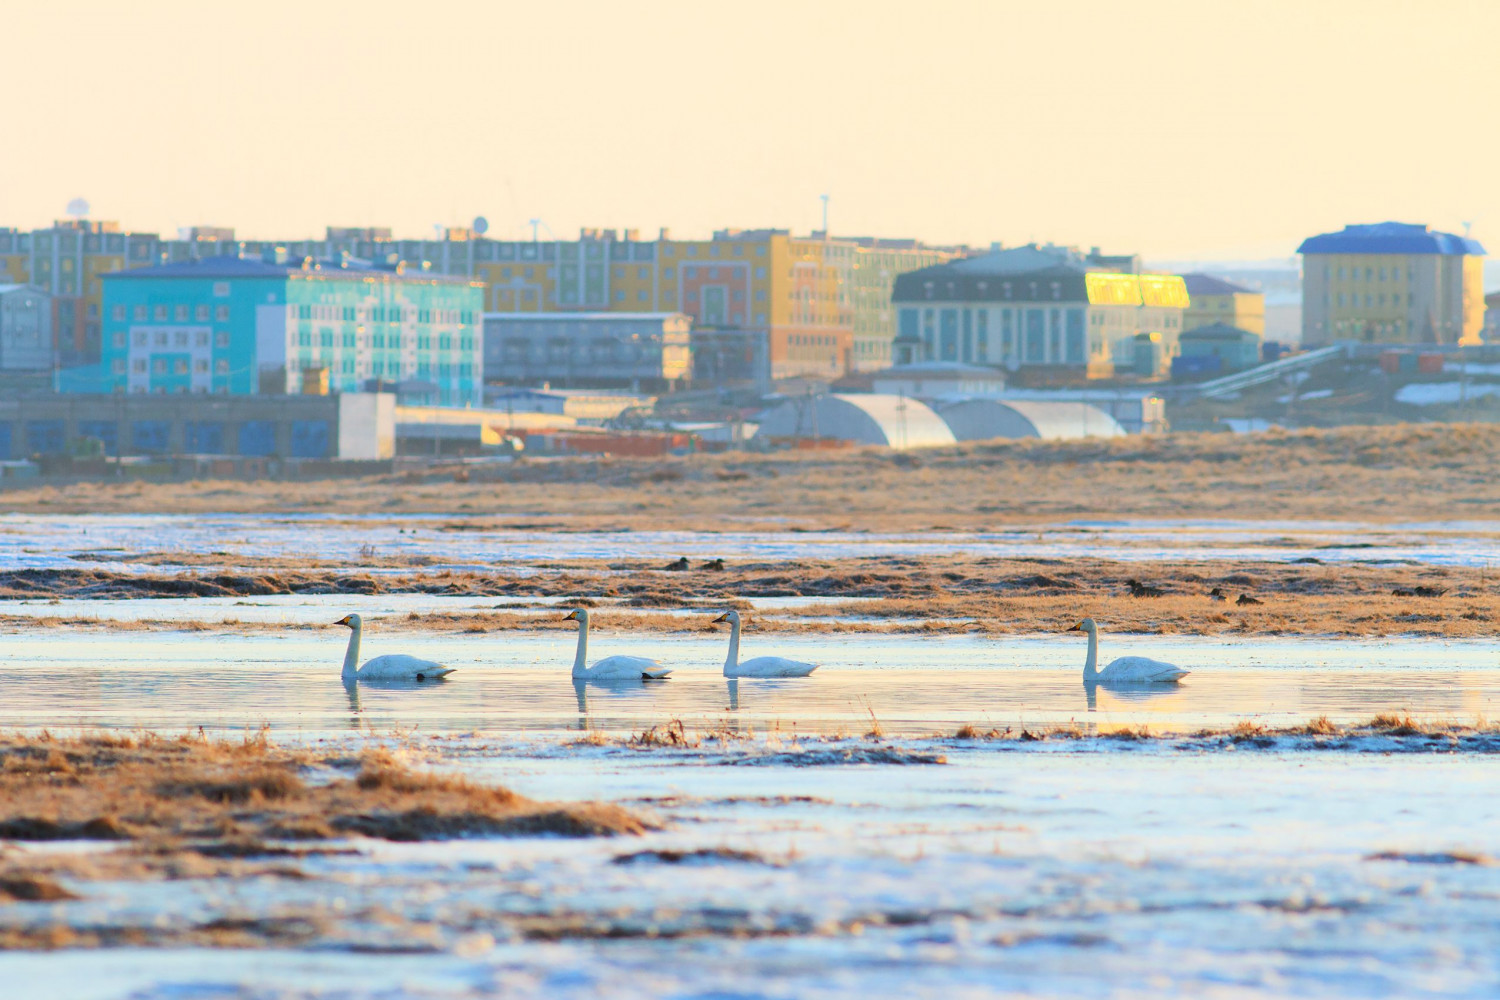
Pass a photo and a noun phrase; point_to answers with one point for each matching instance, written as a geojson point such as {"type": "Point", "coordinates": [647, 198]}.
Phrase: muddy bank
{"type": "Point", "coordinates": [1404, 471]}
{"type": "Point", "coordinates": [885, 594]}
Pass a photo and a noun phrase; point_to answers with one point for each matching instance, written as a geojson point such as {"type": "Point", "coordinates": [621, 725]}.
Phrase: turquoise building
{"type": "Point", "coordinates": [243, 325]}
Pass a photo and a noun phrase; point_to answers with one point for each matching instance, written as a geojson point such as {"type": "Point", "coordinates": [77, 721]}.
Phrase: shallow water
{"type": "Point", "coordinates": [1093, 868]}
{"type": "Point", "coordinates": [1087, 873]}
{"type": "Point", "coordinates": [171, 681]}
{"type": "Point", "coordinates": [110, 541]}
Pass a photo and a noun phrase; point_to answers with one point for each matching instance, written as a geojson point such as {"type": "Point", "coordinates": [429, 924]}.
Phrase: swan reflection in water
{"type": "Point", "coordinates": [609, 687]}
{"type": "Point", "coordinates": [1139, 695]}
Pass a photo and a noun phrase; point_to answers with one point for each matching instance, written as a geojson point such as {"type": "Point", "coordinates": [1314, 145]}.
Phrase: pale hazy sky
{"type": "Point", "coordinates": [1214, 128]}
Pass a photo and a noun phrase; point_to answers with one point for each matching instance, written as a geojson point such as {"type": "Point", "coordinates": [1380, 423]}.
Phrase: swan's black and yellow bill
{"type": "Point", "coordinates": [721, 618]}
{"type": "Point", "coordinates": [1075, 628]}
{"type": "Point", "coordinates": [344, 621]}
{"type": "Point", "coordinates": [572, 616]}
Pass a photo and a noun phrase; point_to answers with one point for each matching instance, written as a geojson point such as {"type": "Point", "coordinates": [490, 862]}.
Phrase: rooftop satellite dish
{"type": "Point", "coordinates": [78, 207]}
{"type": "Point", "coordinates": [481, 225]}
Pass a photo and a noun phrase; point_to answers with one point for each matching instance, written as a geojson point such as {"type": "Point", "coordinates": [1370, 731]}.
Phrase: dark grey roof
{"type": "Point", "coordinates": [1208, 284]}
{"type": "Point", "coordinates": [1217, 331]}
{"type": "Point", "coordinates": [950, 285]}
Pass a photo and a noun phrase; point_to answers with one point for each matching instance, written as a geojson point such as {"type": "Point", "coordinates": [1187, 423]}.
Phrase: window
{"type": "Point", "coordinates": [641, 296]}
{"type": "Point", "coordinates": [221, 339]}
{"type": "Point", "coordinates": [139, 365]}
{"type": "Point", "coordinates": [159, 366]}
{"type": "Point", "coordinates": [180, 313]}
{"type": "Point", "coordinates": [200, 365]}
{"type": "Point", "coordinates": [200, 312]}
{"type": "Point", "coordinates": [117, 313]}
{"type": "Point", "coordinates": [666, 273]}
{"type": "Point", "coordinates": [200, 339]}
{"type": "Point", "coordinates": [221, 367]}
{"type": "Point", "coordinates": [117, 341]}
{"type": "Point", "coordinates": [619, 295]}
{"type": "Point", "coordinates": [160, 312]}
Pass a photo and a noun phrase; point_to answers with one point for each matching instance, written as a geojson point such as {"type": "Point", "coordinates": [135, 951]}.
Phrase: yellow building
{"type": "Point", "coordinates": [1214, 300]}
{"type": "Point", "coordinates": [1392, 283]}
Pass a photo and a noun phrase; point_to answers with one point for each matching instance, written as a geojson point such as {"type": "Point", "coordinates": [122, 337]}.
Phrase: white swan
{"type": "Point", "coordinates": [1126, 669]}
{"type": "Point", "coordinates": [391, 667]}
{"type": "Point", "coordinates": [760, 666]}
{"type": "Point", "coordinates": [611, 667]}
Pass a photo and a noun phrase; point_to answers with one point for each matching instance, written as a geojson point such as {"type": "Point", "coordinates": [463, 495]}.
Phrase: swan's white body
{"type": "Point", "coordinates": [611, 668]}
{"type": "Point", "coordinates": [1126, 669]}
{"type": "Point", "coordinates": [391, 667]}
{"type": "Point", "coordinates": [760, 666]}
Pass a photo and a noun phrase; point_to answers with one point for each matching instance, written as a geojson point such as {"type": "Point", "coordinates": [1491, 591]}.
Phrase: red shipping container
{"type": "Point", "coordinates": [1430, 364]}
{"type": "Point", "coordinates": [1390, 362]}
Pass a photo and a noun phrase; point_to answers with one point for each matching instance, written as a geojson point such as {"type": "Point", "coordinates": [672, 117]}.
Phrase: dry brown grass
{"type": "Point", "coordinates": [1380, 473]}
{"type": "Point", "coordinates": [894, 595]}
{"type": "Point", "coordinates": [179, 801]}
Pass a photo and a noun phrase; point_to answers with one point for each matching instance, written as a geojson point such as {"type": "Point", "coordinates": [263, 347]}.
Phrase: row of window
{"type": "Point", "coordinates": [1370, 300]}
{"type": "Point", "coordinates": [379, 340]}
{"type": "Point", "coordinates": [170, 366]}
{"type": "Point", "coordinates": [392, 368]}
{"type": "Point", "coordinates": [1029, 336]}
{"type": "Point", "coordinates": [1372, 273]}
{"type": "Point", "coordinates": [180, 313]}
{"type": "Point", "coordinates": [176, 338]}
{"type": "Point", "coordinates": [385, 314]}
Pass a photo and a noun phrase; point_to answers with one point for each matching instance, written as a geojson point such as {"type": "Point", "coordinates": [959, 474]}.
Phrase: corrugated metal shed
{"type": "Point", "coordinates": [982, 419]}
{"type": "Point", "coordinates": [889, 421]}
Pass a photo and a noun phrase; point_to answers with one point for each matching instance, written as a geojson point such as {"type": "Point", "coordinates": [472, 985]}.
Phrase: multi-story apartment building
{"type": "Point", "coordinates": [67, 262]}
{"type": "Point", "coordinates": [821, 306]}
{"type": "Point", "coordinates": [1213, 300]}
{"type": "Point", "coordinates": [642, 351]}
{"type": "Point", "coordinates": [1392, 282]}
{"type": "Point", "coordinates": [274, 324]}
{"type": "Point", "coordinates": [877, 263]}
{"type": "Point", "coordinates": [1051, 313]}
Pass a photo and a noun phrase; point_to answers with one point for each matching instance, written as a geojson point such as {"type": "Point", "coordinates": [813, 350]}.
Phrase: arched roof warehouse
{"type": "Point", "coordinates": [861, 418]}
{"type": "Point", "coordinates": [982, 419]}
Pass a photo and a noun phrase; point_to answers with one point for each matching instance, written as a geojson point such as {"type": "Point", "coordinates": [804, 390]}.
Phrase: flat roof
{"type": "Point", "coordinates": [585, 316]}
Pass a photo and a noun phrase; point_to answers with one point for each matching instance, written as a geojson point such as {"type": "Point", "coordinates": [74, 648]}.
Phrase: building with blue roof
{"type": "Point", "coordinates": [1392, 282]}
{"type": "Point", "coordinates": [268, 324]}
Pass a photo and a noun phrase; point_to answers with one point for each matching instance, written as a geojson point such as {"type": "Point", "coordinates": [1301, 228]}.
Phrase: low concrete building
{"type": "Point", "coordinates": [985, 419]}
{"type": "Point", "coordinates": [1216, 349]}
{"type": "Point", "coordinates": [346, 426]}
{"type": "Point", "coordinates": [1212, 299]}
{"type": "Point", "coordinates": [727, 356]}
{"type": "Point", "coordinates": [887, 421]}
{"type": "Point", "coordinates": [639, 351]}
{"type": "Point", "coordinates": [582, 404]}
{"type": "Point", "coordinates": [938, 380]}
{"type": "Point", "coordinates": [26, 339]}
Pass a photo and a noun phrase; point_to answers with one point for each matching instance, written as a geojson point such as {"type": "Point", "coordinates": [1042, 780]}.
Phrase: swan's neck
{"type": "Point", "coordinates": [734, 647]}
{"type": "Point", "coordinates": [580, 659]}
{"type": "Point", "coordinates": [351, 655]}
{"type": "Point", "coordinates": [1091, 665]}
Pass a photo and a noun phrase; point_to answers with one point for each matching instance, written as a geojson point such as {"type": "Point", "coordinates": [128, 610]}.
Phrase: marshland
{"type": "Point", "coordinates": [186, 786]}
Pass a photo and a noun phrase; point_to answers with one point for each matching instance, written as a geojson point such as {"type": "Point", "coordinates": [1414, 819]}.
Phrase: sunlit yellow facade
{"type": "Point", "coordinates": [1392, 283]}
